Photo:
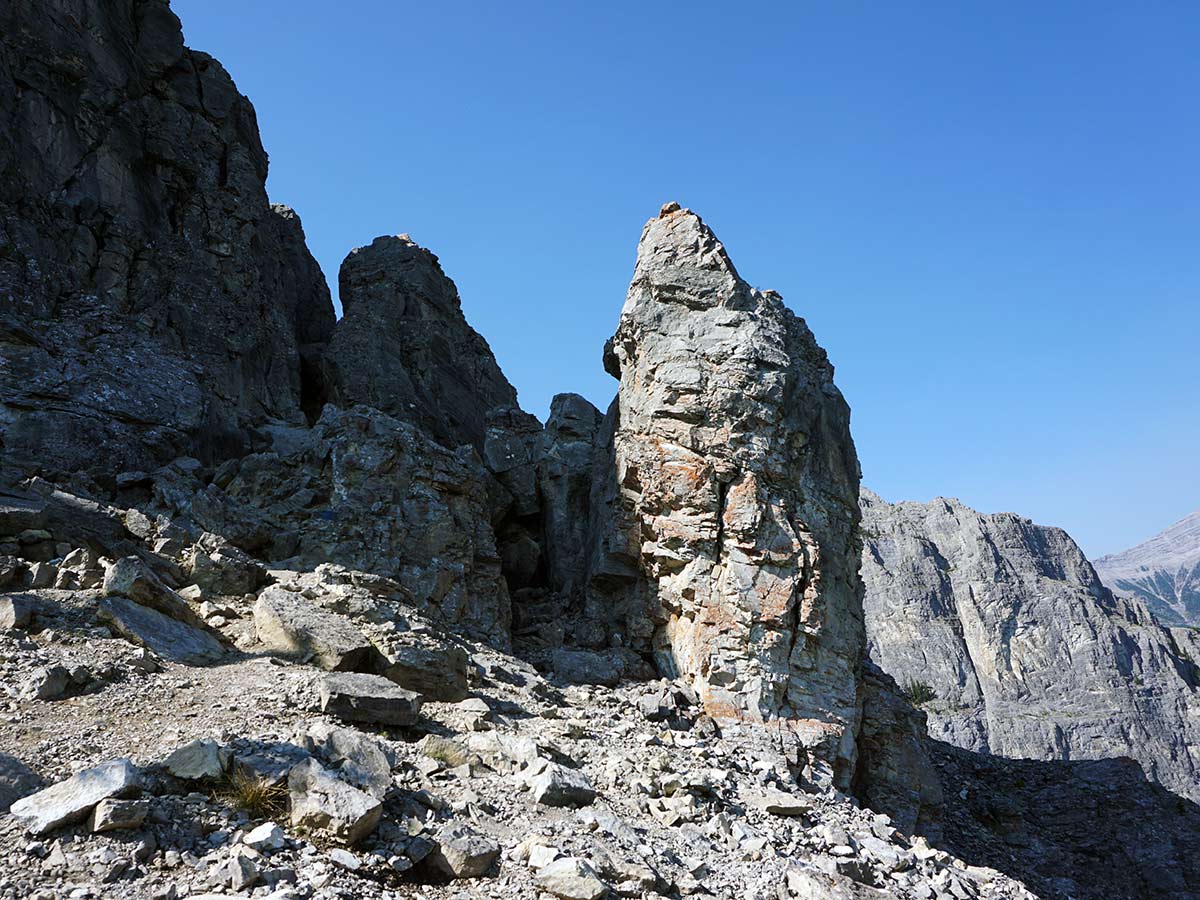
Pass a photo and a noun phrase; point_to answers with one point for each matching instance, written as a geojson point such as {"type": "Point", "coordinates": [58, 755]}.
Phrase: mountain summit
{"type": "Point", "coordinates": [1163, 572]}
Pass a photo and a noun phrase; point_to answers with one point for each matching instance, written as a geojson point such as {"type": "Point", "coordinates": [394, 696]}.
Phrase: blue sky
{"type": "Point", "coordinates": [989, 214]}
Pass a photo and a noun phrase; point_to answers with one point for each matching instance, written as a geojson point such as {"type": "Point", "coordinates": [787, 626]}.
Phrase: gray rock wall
{"type": "Point", "coordinates": [152, 302]}
{"type": "Point", "coordinates": [404, 347]}
{"type": "Point", "coordinates": [1026, 653]}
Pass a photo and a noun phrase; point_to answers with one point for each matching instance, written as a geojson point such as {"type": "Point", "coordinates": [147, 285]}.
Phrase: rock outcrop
{"type": "Point", "coordinates": [404, 347]}
{"type": "Point", "coordinates": [1163, 572]}
{"type": "Point", "coordinates": [153, 304]}
{"type": "Point", "coordinates": [367, 492]}
{"type": "Point", "coordinates": [738, 493]}
{"type": "Point", "coordinates": [1001, 630]}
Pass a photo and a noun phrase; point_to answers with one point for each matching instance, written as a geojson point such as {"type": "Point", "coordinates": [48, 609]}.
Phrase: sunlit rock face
{"type": "Point", "coordinates": [1163, 572]}
{"type": "Point", "coordinates": [738, 485]}
{"type": "Point", "coordinates": [1017, 649]}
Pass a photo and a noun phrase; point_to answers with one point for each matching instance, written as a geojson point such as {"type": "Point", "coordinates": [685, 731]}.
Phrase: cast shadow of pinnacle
{"type": "Point", "coordinates": [1088, 829]}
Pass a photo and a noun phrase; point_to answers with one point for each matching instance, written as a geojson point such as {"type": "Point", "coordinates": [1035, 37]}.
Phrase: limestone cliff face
{"type": "Point", "coordinates": [1163, 572]}
{"type": "Point", "coordinates": [738, 482]}
{"type": "Point", "coordinates": [404, 347]}
{"type": "Point", "coordinates": [153, 304]}
{"type": "Point", "coordinates": [1026, 653]}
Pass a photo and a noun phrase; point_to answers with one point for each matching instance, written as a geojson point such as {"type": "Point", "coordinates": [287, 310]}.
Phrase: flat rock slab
{"type": "Point", "coordinates": [358, 697]}
{"type": "Point", "coordinates": [781, 803]}
{"type": "Point", "coordinates": [162, 635]}
{"type": "Point", "coordinates": [324, 803]}
{"type": "Point", "coordinates": [289, 623]}
{"type": "Point", "coordinates": [130, 577]}
{"type": "Point", "coordinates": [72, 800]}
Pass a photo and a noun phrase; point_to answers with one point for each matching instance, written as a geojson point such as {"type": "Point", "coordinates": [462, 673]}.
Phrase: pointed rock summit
{"type": "Point", "coordinates": [738, 486]}
{"type": "Point", "coordinates": [404, 347]}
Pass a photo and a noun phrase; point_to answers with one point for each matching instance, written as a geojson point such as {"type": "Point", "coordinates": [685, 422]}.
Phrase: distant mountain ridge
{"type": "Point", "coordinates": [1163, 572]}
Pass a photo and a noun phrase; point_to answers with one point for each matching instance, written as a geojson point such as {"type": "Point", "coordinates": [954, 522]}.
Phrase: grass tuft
{"type": "Point", "coordinates": [918, 692]}
{"type": "Point", "coordinates": [256, 796]}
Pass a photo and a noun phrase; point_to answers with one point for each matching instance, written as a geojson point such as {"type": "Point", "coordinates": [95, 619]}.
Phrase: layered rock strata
{"type": "Point", "coordinates": [1163, 572]}
{"type": "Point", "coordinates": [738, 492]}
{"type": "Point", "coordinates": [1002, 631]}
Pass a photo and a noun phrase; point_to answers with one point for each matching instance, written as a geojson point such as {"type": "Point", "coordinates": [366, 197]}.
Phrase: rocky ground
{"type": "Point", "coordinates": [525, 787]}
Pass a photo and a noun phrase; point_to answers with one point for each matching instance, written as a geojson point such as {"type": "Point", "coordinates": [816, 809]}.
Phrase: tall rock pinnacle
{"type": "Point", "coordinates": [739, 480]}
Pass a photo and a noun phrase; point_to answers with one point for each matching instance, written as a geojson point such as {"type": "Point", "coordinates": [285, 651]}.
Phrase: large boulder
{"type": "Point", "coordinates": [288, 622]}
{"type": "Point", "coordinates": [162, 635]}
{"type": "Point", "coordinates": [323, 803]}
{"type": "Point", "coordinates": [131, 578]}
{"type": "Point", "coordinates": [153, 304]}
{"type": "Point", "coordinates": [738, 494]}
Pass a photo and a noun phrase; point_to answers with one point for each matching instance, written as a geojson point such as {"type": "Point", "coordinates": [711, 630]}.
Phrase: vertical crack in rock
{"type": "Point", "coordinates": [739, 486]}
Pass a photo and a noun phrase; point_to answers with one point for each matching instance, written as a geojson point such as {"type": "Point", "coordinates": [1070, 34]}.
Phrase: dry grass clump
{"type": "Point", "coordinates": [256, 796]}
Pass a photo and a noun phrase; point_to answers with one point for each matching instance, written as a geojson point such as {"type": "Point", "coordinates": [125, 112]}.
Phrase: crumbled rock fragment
{"type": "Point", "coordinates": [46, 683]}
{"type": "Point", "coordinates": [571, 878]}
{"type": "Point", "coordinates": [199, 760]}
{"type": "Point", "coordinates": [463, 852]}
{"type": "Point", "coordinates": [557, 785]}
{"type": "Point", "coordinates": [323, 803]}
{"type": "Point", "coordinates": [114, 815]}
{"type": "Point", "coordinates": [267, 836]}
{"type": "Point", "coordinates": [359, 758]}
{"type": "Point", "coordinates": [71, 800]}
{"type": "Point", "coordinates": [359, 697]}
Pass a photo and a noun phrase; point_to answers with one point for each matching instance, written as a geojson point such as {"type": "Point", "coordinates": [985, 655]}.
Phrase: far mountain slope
{"type": "Point", "coordinates": [1163, 572]}
{"type": "Point", "coordinates": [1002, 631]}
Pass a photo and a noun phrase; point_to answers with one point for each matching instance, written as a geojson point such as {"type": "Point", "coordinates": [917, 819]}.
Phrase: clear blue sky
{"type": "Point", "coordinates": [989, 214]}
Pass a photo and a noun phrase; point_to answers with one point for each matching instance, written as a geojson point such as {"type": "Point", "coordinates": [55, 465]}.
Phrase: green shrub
{"type": "Point", "coordinates": [918, 692]}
